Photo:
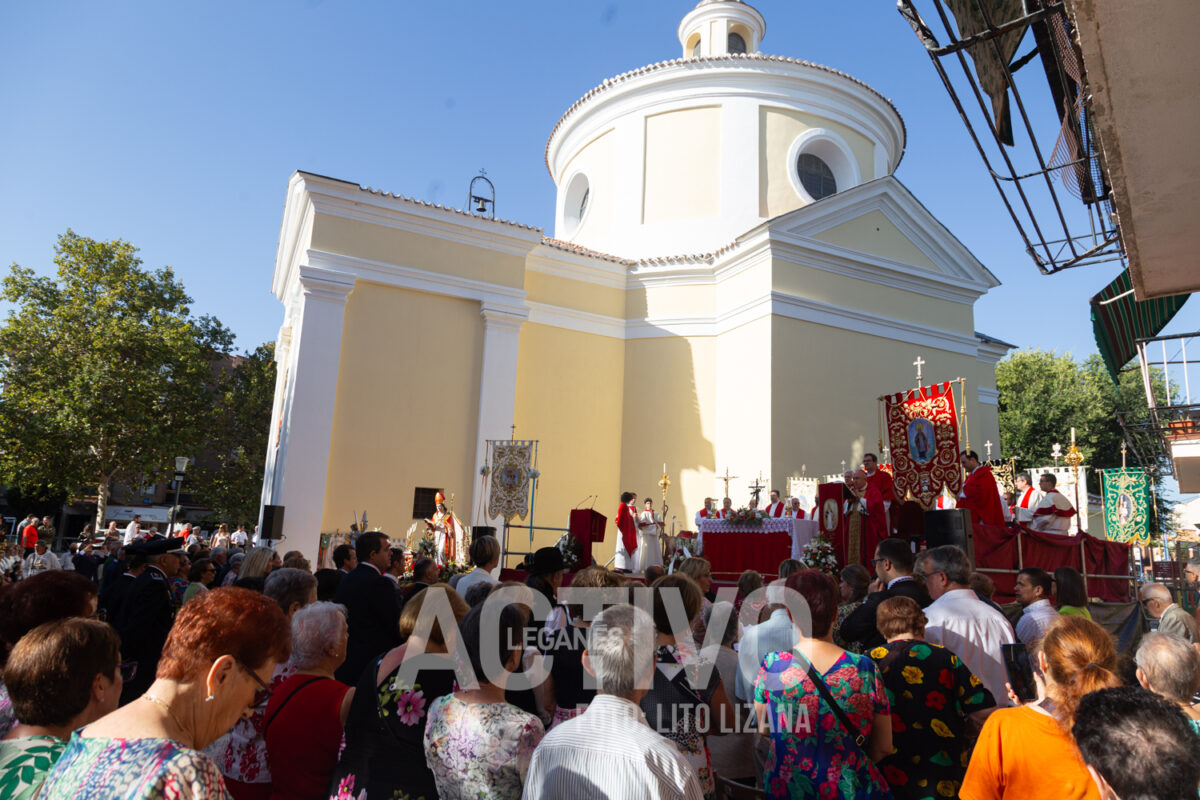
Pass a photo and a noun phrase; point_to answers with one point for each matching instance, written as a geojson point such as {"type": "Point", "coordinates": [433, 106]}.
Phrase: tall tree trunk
{"type": "Point", "coordinates": [102, 502]}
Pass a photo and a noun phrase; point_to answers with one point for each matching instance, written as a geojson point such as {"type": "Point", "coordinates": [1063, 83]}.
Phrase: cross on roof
{"type": "Point", "coordinates": [920, 362]}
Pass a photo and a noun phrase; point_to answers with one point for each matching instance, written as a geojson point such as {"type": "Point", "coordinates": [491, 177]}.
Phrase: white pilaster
{"type": "Point", "coordinates": [497, 387]}
{"type": "Point", "coordinates": [296, 476]}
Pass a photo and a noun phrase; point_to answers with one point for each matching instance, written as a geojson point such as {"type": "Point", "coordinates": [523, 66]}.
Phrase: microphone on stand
{"type": "Point", "coordinates": [595, 497]}
{"type": "Point", "coordinates": [584, 500]}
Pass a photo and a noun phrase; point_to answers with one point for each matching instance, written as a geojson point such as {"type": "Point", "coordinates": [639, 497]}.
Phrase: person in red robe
{"type": "Point", "coordinates": [627, 541]}
{"type": "Point", "coordinates": [882, 481]}
{"type": "Point", "coordinates": [726, 508]}
{"type": "Point", "coordinates": [980, 492]}
{"type": "Point", "coordinates": [874, 524]}
{"type": "Point", "coordinates": [775, 507]}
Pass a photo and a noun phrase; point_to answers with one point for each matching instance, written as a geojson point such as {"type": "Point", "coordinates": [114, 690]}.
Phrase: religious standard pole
{"type": "Point", "coordinates": [1074, 459]}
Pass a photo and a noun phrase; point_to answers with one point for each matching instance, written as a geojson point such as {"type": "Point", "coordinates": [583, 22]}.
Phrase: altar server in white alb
{"type": "Point", "coordinates": [1028, 498]}
{"type": "Point", "coordinates": [775, 507]}
{"type": "Point", "coordinates": [649, 527]}
{"type": "Point", "coordinates": [1053, 514]}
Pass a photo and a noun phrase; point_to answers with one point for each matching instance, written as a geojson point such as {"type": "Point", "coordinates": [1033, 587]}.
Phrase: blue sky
{"type": "Point", "coordinates": [176, 126]}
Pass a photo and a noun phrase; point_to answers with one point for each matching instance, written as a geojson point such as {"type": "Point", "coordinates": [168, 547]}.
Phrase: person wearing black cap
{"type": "Point", "coordinates": [145, 616]}
{"type": "Point", "coordinates": [546, 569]}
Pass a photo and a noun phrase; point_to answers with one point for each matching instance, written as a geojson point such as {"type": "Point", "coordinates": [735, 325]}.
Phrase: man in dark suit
{"type": "Point", "coordinates": [146, 614]}
{"type": "Point", "coordinates": [370, 601]}
{"type": "Point", "coordinates": [893, 568]}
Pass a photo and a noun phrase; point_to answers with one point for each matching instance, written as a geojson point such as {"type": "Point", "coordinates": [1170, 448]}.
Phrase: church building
{"type": "Point", "coordinates": [734, 277]}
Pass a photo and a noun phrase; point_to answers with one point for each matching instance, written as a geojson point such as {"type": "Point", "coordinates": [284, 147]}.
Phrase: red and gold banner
{"type": "Point", "coordinates": [922, 431]}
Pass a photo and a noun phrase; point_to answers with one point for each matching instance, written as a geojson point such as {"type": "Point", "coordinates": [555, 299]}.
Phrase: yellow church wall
{"type": "Point", "coordinates": [872, 298]}
{"type": "Point", "coordinates": [874, 233]}
{"type": "Point", "coordinates": [670, 301]}
{"type": "Point", "coordinates": [778, 128]}
{"type": "Point", "coordinates": [569, 397]}
{"type": "Point", "coordinates": [407, 401]}
{"type": "Point", "coordinates": [825, 409]}
{"type": "Point", "coordinates": [669, 416]}
{"type": "Point", "coordinates": [416, 251]}
{"type": "Point", "coordinates": [682, 165]}
{"type": "Point", "coordinates": [580, 295]}
{"type": "Point", "coordinates": [595, 160]}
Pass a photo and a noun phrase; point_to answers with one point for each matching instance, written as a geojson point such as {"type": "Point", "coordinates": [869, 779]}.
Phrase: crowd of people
{"type": "Point", "coordinates": [209, 671]}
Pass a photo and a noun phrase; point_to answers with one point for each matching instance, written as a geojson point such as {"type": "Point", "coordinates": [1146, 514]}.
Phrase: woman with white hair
{"type": "Point", "coordinates": [307, 712]}
{"type": "Point", "coordinates": [1167, 665]}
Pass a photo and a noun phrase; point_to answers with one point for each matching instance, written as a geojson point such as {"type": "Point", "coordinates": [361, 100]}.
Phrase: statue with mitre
{"type": "Point", "coordinates": [449, 534]}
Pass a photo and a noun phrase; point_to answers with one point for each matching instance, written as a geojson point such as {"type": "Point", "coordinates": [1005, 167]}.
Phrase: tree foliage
{"type": "Point", "coordinates": [1043, 395]}
{"type": "Point", "coordinates": [106, 373]}
{"type": "Point", "coordinates": [229, 479]}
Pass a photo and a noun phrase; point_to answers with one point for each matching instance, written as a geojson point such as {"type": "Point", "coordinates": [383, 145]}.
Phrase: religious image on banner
{"type": "Point", "coordinates": [510, 468]}
{"type": "Point", "coordinates": [922, 428]}
{"type": "Point", "coordinates": [1126, 505]}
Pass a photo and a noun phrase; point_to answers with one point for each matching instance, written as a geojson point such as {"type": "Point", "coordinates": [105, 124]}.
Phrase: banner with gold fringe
{"type": "Point", "coordinates": [510, 471]}
{"type": "Point", "coordinates": [922, 429]}
{"type": "Point", "coordinates": [1126, 505]}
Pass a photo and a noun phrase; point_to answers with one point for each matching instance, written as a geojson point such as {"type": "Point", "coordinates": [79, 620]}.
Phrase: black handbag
{"type": "Point", "coordinates": [843, 718]}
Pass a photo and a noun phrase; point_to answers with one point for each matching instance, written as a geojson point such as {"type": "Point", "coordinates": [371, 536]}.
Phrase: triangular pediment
{"type": "Point", "coordinates": [880, 227]}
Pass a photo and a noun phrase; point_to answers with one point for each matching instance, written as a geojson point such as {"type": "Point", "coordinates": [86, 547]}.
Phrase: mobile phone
{"type": "Point", "coordinates": [1020, 671]}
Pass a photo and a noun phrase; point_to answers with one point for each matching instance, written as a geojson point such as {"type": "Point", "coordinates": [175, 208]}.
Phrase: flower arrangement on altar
{"type": "Point", "coordinates": [748, 517]}
{"type": "Point", "coordinates": [568, 545]}
{"type": "Point", "coordinates": [819, 554]}
{"type": "Point", "coordinates": [450, 570]}
{"type": "Point", "coordinates": [426, 548]}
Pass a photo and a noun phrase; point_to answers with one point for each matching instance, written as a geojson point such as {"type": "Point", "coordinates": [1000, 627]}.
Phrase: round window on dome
{"type": "Point", "coordinates": [815, 176]}
{"type": "Point", "coordinates": [575, 202]}
{"type": "Point", "coordinates": [736, 43]}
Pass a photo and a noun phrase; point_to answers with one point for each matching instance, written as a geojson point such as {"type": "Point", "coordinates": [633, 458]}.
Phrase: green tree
{"type": "Point", "coordinates": [1043, 395]}
{"type": "Point", "coordinates": [106, 375]}
{"type": "Point", "coordinates": [229, 478]}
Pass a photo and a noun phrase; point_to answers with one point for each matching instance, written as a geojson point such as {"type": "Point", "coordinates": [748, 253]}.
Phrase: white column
{"type": "Point", "coordinates": [283, 360]}
{"type": "Point", "coordinates": [301, 461]}
{"type": "Point", "coordinates": [497, 389]}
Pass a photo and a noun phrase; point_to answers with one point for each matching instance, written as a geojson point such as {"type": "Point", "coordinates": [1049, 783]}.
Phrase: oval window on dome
{"type": "Point", "coordinates": [736, 43]}
{"type": "Point", "coordinates": [816, 176]}
{"type": "Point", "coordinates": [575, 203]}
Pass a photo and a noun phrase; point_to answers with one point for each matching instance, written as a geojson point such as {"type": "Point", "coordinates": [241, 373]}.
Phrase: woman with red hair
{"type": "Point", "coordinates": [824, 709]}
{"type": "Point", "coordinates": [215, 666]}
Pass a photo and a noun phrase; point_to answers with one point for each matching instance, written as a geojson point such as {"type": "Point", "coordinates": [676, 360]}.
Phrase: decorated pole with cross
{"type": "Point", "coordinates": [988, 447]}
{"type": "Point", "coordinates": [726, 478]}
{"type": "Point", "coordinates": [920, 362]}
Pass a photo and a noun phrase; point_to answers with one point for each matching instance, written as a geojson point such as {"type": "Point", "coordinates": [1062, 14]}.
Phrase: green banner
{"type": "Point", "coordinates": [1126, 505]}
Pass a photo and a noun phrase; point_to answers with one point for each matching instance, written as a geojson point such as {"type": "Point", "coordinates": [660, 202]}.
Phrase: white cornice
{"type": "Point", "coordinates": [990, 353]}
{"type": "Point", "coordinates": [563, 264]}
{"type": "Point", "coordinates": [574, 320]}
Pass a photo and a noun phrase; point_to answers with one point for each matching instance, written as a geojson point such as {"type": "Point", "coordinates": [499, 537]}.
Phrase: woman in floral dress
{"type": "Point", "coordinates": [812, 754]}
{"type": "Point", "coordinates": [477, 744]}
{"type": "Point", "coordinates": [384, 757]}
{"type": "Point", "coordinates": [932, 694]}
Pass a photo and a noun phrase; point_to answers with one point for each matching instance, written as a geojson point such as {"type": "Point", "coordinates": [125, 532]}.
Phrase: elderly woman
{"type": "Point", "coordinates": [258, 564]}
{"type": "Point", "coordinates": [853, 585]}
{"type": "Point", "coordinates": [1024, 750]}
{"type": "Point", "coordinates": [38, 599]}
{"type": "Point", "coordinates": [242, 756]}
{"type": "Point", "coordinates": [384, 751]}
{"type": "Point", "coordinates": [61, 676]}
{"type": "Point", "coordinates": [813, 752]}
{"type": "Point", "coordinates": [214, 670]}
{"type": "Point", "coordinates": [200, 574]}
{"type": "Point", "coordinates": [687, 689]}
{"type": "Point", "coordinates": [932, 694]}
{"type": "Point", "coordinates": [235, 568]}
{"type": "Point", "coordinates": [307, 711]}
{"type": "Point", "coordinates": [1169, 666]}
{"type": "Point", "coordinates": [477, 744]}
{"type": "Point", "coordinates": [700, 571]}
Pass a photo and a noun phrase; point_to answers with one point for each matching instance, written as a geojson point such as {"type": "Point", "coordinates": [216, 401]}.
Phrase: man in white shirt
{"type": "Point", "coordinates": [40, 560]}
{"type": "Point", "coordinates": [239, 537]}
{"type": "Point", "coordinates": [133, 531]}
{"type": "Point", "coordinates": [1028, 498]}
{"type": "Point", "coordinates": [962, 623]}
{"type": "Point", "coordinates": [610, 751]}
{"type": "Point", "coordinates": [485, 555]}
{"type": "Point", "coordinates": [1033, 593]}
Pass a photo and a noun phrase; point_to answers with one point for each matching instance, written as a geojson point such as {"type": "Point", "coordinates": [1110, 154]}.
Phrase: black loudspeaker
{"type": "Point", "coordinates": [950, 526]}
{"type": "Point", "coordinates": [272, 523]}
{"type": "Point", "coordinates": [482, 530]}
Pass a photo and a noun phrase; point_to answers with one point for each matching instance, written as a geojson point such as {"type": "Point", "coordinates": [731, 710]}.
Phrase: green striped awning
{"type": "Point", "coordinates": [1118, 320]}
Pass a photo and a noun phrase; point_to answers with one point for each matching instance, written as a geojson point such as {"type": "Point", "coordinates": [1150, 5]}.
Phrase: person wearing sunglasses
{"type": "Point", "coordinates": [214, 670]}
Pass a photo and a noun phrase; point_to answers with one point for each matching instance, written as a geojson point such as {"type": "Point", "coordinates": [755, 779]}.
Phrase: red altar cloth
{"type": "Point", "coordinates": [996, 548]}
{"type": "Point", "coordinates": [732, 553]}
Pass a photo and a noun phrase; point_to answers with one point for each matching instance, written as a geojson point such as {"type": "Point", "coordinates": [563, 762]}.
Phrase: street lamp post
{"type": "Point", "coordinates": [181, 463]}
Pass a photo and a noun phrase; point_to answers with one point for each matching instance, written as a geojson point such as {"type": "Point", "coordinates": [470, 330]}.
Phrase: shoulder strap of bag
{"type": "Point", "coordinates": [823, 690]}
{"type": "Point", "coordinates": [286, 700]}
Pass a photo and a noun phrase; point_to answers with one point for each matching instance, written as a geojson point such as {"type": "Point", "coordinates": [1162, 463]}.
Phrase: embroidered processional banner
{"type": "Point", "coordinates": [922, 428]}
{"type": "Point", "coordinates": [1126, 505]}
{"type": "Point", "coordinates": [511, 463]}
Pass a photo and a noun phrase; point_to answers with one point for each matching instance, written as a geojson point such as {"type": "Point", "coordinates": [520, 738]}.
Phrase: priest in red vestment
{"type": "Point", "coordinates": [627, 540]}
{"type": "Point", "coordinates": [980, 492]}
{"type": "Point", "coordinates": [874, 525]}
{"type": "Point", "coordinates": [726, 508]}
{"type": "Point", "coordinates": [775, 507]}
{"type": "Point", "coordinates": [882, 481]}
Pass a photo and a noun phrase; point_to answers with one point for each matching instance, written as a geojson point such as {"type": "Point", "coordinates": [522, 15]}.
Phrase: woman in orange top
{"type": "Point", "coordinates": [1027, 751]}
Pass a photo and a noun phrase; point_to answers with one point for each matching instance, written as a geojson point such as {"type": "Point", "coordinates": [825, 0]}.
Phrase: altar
{"type": "Point", "coordinates": [733, 548]}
